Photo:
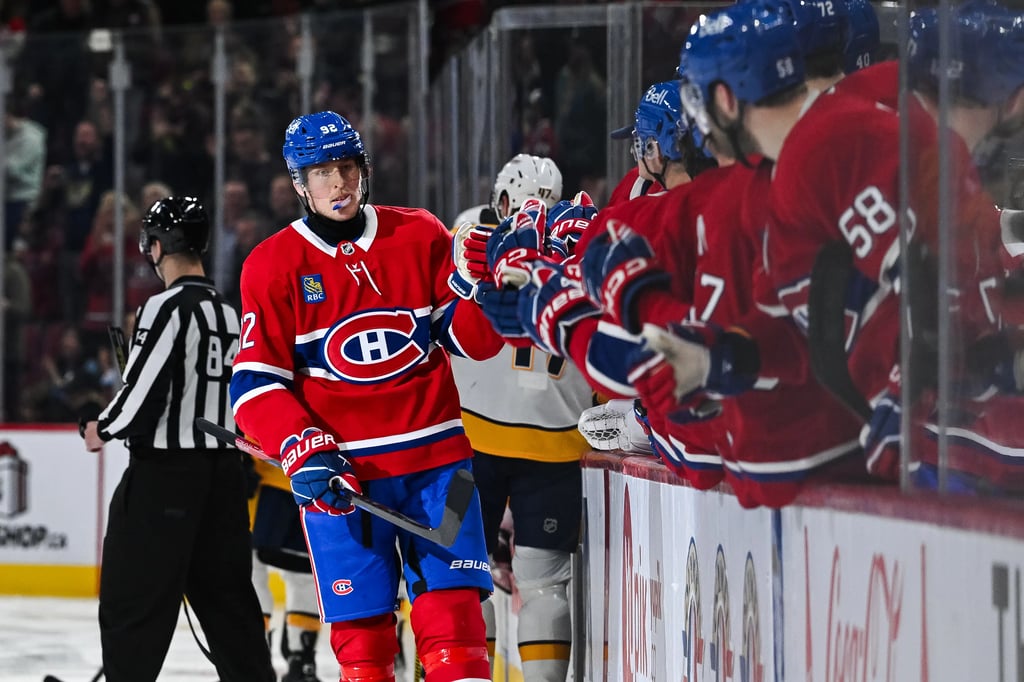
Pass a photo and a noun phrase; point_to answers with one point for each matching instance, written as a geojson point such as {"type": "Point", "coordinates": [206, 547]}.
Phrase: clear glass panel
{"type": "Point", "coordinates": [963, 434]}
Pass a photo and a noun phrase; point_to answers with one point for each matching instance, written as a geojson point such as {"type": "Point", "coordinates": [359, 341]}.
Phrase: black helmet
{"type": "Point", "coordinates": [178, 223]}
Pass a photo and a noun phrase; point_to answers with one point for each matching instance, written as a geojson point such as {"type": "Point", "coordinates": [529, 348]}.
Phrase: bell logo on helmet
{"type": "Point", "coordinates": [714, 25]}
{"type": "Point", "coordinates": [653, 96]}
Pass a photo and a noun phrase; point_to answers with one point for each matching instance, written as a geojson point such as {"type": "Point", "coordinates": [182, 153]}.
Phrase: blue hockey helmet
{"type": "Point", "coordinates": [864, 36]}
{"type": "Point", "coordinates": [317, 138]}
{"type": "Point", "coordinates": [822, 26]}
{"type": "Point", "coordinates": [659, 117]}
{"type": "Point", "coordinates": [991, 41]}
{"type": "Point", "coordinates": [752, 47]}
{"type": "Point", "coordinates": [923, 48]}
{"type": "Point", "coordinates": [986, 62]}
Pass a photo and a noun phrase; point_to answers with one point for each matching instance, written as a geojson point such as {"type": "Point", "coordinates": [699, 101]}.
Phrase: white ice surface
{"type": "Point", "coordinates": [42, 636]}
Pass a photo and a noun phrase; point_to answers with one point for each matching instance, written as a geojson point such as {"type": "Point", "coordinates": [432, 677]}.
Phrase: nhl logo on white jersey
{"type": "Point", "coordinates": [347, 248]}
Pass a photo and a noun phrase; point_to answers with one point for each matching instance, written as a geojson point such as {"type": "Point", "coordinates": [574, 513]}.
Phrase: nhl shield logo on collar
{"type": "Point", "coordinates": [347, 248]}
{"type": "Point", "coordinates": [313, 288]}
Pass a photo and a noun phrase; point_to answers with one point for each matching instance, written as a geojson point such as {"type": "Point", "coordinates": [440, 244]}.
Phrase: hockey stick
{"type": "Point", "coordinates": [826, 325]}
{"type": "Point", "coordinates": [457, 501]}
{"type": "Point", "coordinates": [119, 346]}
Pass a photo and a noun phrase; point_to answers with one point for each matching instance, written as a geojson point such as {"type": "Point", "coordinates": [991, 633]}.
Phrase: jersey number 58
{"type": "Point", "coordinates": [870, 215]}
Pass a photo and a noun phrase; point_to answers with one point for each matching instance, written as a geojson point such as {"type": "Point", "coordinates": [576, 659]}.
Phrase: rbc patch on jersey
{"type": "Point", "coordinates": [313, 288]}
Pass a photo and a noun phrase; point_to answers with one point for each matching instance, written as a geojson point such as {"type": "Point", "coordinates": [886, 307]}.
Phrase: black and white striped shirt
{"type": "Point", "coordinates": [179, 368]}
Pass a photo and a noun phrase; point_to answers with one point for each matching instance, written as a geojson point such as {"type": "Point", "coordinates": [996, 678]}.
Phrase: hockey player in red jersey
{"type": "Point", "coordinates": [347, 323]}
{"type": "Point", "coordinates": [782, 426]}
{"type": "Point", "coordinates": [986, 444]}
{"type": "Point", "coordinates": [643, 178]}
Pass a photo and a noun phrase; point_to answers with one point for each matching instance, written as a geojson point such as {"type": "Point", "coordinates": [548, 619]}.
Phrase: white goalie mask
{"type": "Point", "coordinates": [526, 176]}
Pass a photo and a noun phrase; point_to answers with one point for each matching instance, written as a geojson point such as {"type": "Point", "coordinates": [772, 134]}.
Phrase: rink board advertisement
{"type": "Point", "coordinates": [877, 598]}
{"type": "Point", "coordinates": [53, 496]}
{"type": "Point", "coordinates": [690, 594]}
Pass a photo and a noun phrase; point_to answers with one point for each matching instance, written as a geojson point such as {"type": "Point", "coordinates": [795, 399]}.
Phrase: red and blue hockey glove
{"type": "Point", "coordinates": [501, 308]}
{"type": "Point", "coordinates": [880, 437]}
{"type": "Point", "coordinates": [567, 221]}
{"type": "Point", "coordinates": [653, 378]}
{"type": "Point", "coordinates": [319, 473]}
{"type": "Point", "coordinates": [469, 254]}
{"type": "Point", "coordinates": [617, 266]}
{"type": "Point", "coordinates": [703, 356]}
{"type": "Point", "coordinates": [551, 306]}
{"type": "Point", "coordinates": [515, 246]}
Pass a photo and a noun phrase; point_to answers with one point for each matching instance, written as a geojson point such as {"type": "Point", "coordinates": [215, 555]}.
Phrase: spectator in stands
{"type": "Point", "coordinates": [136, 15]}
{"type": "Point", "coordinates": [580, 121]}
{"type": "Point", "coordinates": [526, 76]}
{"type": "Point", "coordinates": [85, 178]}
{"type": "Point", "coordinates": [152, 192]}
{"type": "Point", "coordinates": [56, 70]}
{"type": "Point", "coordinates": [250, 229]}
{"type": "Point", "coordinates": [96, 266]}
{"type": "Point", "coordinates": [248, 158]}
{"type": "Point", "coordinates": [282, 202]}
{"type": "Point", "coordinates": [237, 201]}
{"type": "Point", "coordinates": [538, 133]}
{"type": "Point", "coordinates": [218, 12]}
{"type": "Point", "coordinates": [174, 147]}
{"type": "Point", "coordinates": [25, 158]}
{"type": "Point", "coordinates": [70, 386]}
{"type": "Point", "coordinates": [101, 109]}
{"type": "Point", "coordinates": [17, 306]}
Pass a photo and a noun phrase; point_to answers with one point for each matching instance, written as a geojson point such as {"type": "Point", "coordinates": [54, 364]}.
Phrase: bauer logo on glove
{"type": "Point", "coordinates": [305, 446]}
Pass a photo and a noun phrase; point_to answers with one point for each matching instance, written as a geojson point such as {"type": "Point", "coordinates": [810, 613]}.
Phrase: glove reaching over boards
{"type": "Point", "coordinates": [319, 473]}
{"type": "Point", "coordinates": [515, 246]}
{"type": "Point", "coordinates": [469, 254]}
{"type": "Point", "coordinates": [704, 356]}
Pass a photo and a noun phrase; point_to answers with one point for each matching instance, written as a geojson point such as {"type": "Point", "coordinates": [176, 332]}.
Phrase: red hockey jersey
{"type": "Point", "coordinates": [837, 178]}
{"type": "Point", "coordinates": [787, 428]}
{"type": "Point", "coordinates": [354, 339]}
{"type": "Point", "coordinates": [632, 186]}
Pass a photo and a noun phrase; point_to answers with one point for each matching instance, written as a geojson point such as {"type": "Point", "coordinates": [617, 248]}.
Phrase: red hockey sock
{"type": "Point", "coordinates": [450, 635]}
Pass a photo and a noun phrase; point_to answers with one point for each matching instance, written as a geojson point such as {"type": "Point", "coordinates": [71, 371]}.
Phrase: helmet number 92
{"type": "Point", "coordinates": [869, 215]}
{"type": "Point", "coordinates": [329, 128]}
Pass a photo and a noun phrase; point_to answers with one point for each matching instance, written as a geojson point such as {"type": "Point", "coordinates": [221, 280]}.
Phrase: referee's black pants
{"type": "Point", "coordinates": [179, 525]}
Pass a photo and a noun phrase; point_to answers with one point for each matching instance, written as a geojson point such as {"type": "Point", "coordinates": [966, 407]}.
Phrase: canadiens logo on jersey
{"type": "Point", "coordinates": [313, 289]}
{"type": "Point", "coordinates": [376, 345]}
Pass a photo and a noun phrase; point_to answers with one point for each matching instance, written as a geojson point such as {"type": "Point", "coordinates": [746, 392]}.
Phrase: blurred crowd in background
{"type": "Point", "coordinates": [60, 205]}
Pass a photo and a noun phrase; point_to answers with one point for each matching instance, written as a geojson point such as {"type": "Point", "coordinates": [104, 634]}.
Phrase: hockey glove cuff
{"type": "Point", "coordinates": [702, 356]}
{"type": "Point", "coordinates": [551, 307]}
{"type": "Point", "coordinates": [617, 266]}
{"type": "Point", "coordinates": [469, 255]}
{"type": "Point", "coordinates": [319, 474]}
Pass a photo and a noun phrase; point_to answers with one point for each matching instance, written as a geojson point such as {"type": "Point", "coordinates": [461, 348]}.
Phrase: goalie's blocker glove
{"type": "Point", "coordinates": [320, 475]}
{"type": "Point", "coordinates": [617, 266]}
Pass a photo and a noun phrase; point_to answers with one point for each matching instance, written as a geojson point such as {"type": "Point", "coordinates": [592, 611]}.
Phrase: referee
{"type": "Point", "coordinates": [178, 522]}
